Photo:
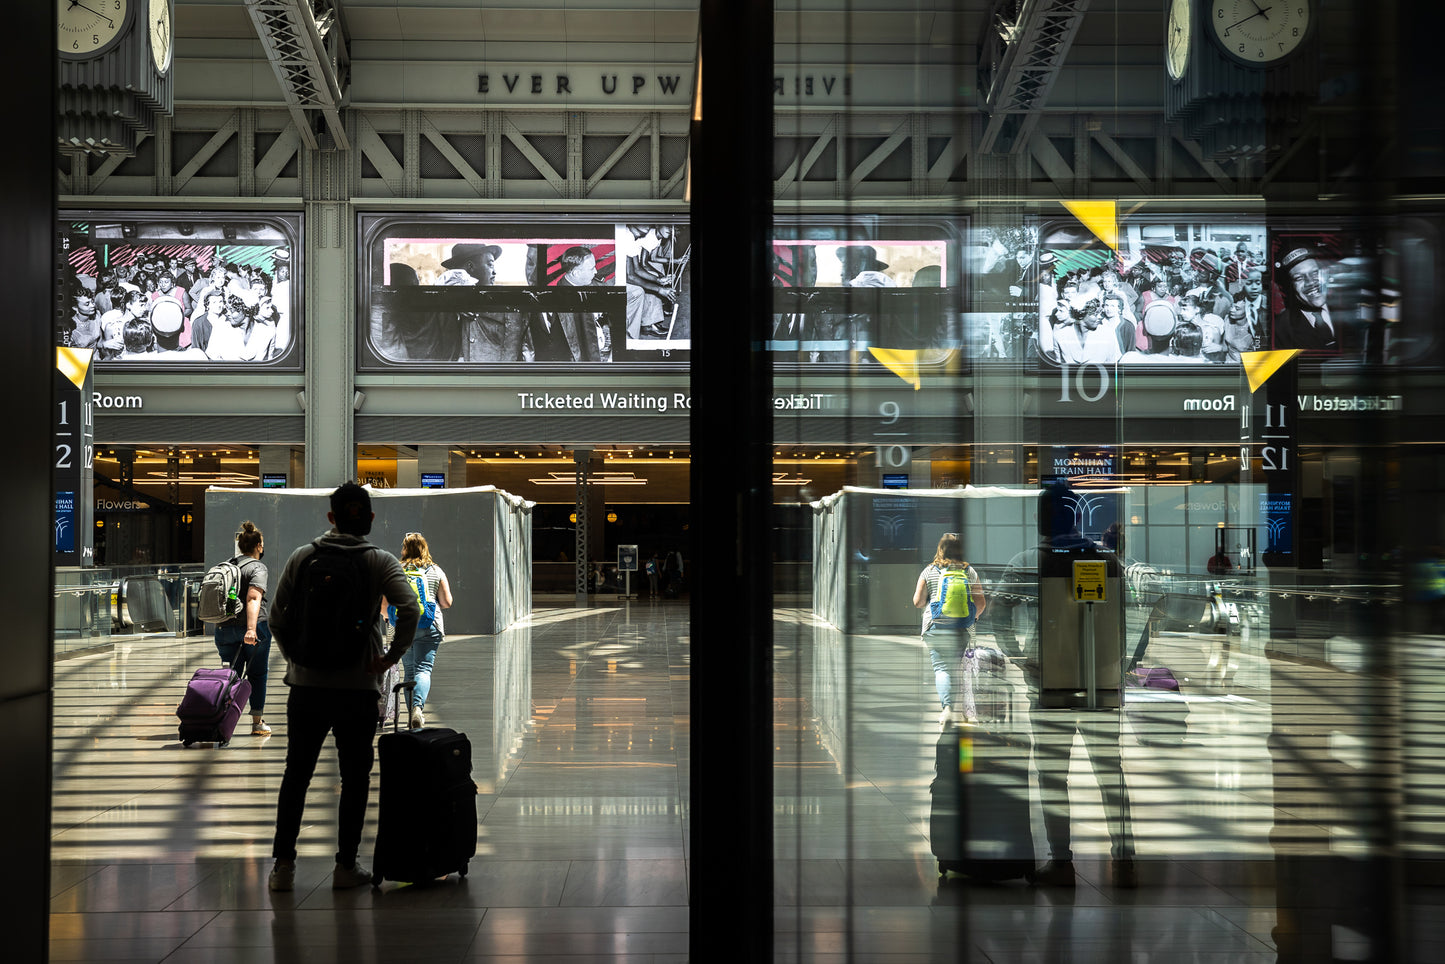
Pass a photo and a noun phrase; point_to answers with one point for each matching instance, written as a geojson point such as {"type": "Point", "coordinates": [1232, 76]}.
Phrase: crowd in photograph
{"type": "Point", "coordinates": [1169, 305]}
{"type": "Point", "coordinates": [168, 307]}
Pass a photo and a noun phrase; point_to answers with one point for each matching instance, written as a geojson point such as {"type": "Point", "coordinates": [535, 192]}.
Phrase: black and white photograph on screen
{"type": "Point", "coordinates": [447, 291]}
{"type": "Point", "coordinates": [1325, 295]}
{"type": "Point", "coordinates": [836, 299]}
{"type": "Point", "coordinates": [1007, 272]}
{"type": "Point", "coordinates": [139, 290]}
{"type": "Point", "coordinates": [653, 261]}
{"type": "Point", "coordinates": [1173, 293]}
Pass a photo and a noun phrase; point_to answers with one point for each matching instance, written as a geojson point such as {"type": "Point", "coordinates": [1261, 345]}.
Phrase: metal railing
{"type": "Point", "coordinates": [96, 604]}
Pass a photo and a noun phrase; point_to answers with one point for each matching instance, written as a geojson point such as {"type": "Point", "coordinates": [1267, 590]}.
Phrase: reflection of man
{"type": "Point", "coordinates": [487, 336]}
{"type": "Point", "coordinates": [1054, 733]}
{"type": "Point", "coordinates": [1305, 321]}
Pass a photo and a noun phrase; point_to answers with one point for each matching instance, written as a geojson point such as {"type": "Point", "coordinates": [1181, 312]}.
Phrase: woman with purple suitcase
{"type": "Point", "coordinates": [251, 627]}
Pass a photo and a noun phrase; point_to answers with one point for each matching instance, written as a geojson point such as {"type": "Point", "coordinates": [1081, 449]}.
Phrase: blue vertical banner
{"type": "Point", "coordinates": [72, 456]}
{"type": "Point", "coordinates": [64, 522]}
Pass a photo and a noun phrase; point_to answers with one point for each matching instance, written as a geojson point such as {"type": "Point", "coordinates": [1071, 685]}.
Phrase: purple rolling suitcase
{"type": "Point", "coordinates": [1155, 706]}
{"type": "Point", "coordinates": [213, 703]}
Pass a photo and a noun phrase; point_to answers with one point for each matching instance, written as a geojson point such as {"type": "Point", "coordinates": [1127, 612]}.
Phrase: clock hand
{"type": "Point", "coordinates": [102, 16]}
{"type": "Point", "coordinates": [1263, 13]}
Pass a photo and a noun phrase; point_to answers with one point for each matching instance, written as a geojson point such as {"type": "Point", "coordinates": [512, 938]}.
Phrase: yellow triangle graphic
{"type": "Point", "coordinates": [73, 364]}
{"type": "Point", "coordinates": [1260, 365]}
{"type": "Point", "coordinates": [902, 362]}
{"type": "Point", "coordinates": [1100, 217]}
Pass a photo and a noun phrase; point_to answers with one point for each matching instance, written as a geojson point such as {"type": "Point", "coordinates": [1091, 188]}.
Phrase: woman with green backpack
{"type": "Point", "coordinates": [435, 594]}
{"type": "Point", "coordinates": [951, 597]}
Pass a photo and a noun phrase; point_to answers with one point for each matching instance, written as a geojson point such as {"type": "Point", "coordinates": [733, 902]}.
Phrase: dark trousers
{"type": "Point", "coordinates": [312, 713]}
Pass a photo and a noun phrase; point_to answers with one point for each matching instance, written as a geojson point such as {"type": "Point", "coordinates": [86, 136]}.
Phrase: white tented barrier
{"type": "Point", "coordinates": [481, 537]}
{"type": "Point", "coordinates": [869, 545]}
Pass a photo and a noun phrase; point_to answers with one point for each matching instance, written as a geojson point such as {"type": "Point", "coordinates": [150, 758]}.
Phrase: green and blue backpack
{"type": "Point", "coordinates": [953, 609]}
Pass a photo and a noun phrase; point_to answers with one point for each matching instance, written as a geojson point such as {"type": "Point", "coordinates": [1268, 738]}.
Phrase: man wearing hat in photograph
{"type": "Point", "coordinates": [860, 269]}
{"type": "Point", "coordinates": [1208, 284]}
{"type": "Point", "coordinates": [1305, 321]}
{"type": "Point", "coordinates": [1238, 267]}
{"type": "Point", "coordinates": [486, 336]}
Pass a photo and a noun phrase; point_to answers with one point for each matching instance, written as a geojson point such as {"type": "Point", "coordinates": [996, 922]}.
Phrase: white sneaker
{"type": "Point", "coordinates": [283, 876]}
{"type": "Point", "coordinates": [417, 720]}
{"type": "Point", "coordinates": [945, 719]}
{"type": "Point", "coordinates": [353, 876]}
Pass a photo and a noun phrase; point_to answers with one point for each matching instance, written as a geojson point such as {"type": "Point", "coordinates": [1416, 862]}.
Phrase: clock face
{"type": "Point", "coordinates": [1177, 38]}
{"type": "Point", "coordinates": [1260, 31]}
{"type": "Point", "coordinates": [87, 27]}
{"type": "Point", "coordinates": [159, 26]}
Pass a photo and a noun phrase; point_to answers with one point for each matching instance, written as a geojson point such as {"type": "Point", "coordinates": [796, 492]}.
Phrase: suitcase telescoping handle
{"type": "Point", "coordinates": [242, 662]}
{"type": "Point", "coordinates": [408, 686]}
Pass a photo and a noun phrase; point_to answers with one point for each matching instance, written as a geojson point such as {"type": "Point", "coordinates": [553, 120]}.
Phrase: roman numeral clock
{"type": "Point", "coordinates": [115, 73]}
{"type": "Point", "coordinates": [1240, 72]}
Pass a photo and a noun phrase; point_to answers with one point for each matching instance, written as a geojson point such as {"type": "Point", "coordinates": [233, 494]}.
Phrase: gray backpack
{"type": "Point", "coordinates": [219, 598]}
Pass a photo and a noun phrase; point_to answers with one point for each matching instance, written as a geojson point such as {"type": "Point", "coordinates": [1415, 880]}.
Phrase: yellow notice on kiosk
{"type": "Point", "coordinates": [1089, 579]}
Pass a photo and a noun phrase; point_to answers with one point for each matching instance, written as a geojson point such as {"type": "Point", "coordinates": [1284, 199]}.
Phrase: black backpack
{"type": "Point", "coordinates": [333, 609]}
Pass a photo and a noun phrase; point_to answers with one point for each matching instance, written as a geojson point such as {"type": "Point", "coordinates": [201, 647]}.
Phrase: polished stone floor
{"type": "Point", "coordinates": [579, 721]}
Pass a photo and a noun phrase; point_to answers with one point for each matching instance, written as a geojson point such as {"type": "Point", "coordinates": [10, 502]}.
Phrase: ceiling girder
{"type": "Point", "coordinates": [1019, 60]}
{"type": "Point", "coordinates": [309, 51]}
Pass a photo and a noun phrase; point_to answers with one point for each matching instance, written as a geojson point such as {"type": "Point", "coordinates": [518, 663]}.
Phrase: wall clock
{"type": "Point", "coordinates": [90, 27]}
{"type": "Point", "coordinates": [1178, 37]}
{"type": "Point", "coordinates": [1260, 32]}
{"type": "Point", "coordinates": [158, 25]}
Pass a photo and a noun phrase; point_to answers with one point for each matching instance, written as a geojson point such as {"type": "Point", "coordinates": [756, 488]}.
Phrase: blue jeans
{"type": "Point", "coordinates": [945, 648]}
{"type": "Point", "coordinates": [230, 638]}
{"type": "Point", "coordinates": [418, 661]}
{"type": "Point", "coordinates": [311, 713]}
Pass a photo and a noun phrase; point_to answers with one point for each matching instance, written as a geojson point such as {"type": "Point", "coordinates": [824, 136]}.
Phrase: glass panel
{"type": "Point", "coordinates": [1154, 405]}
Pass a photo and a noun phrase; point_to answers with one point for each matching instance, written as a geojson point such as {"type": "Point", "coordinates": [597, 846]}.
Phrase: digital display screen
{"type": "Point", "coordinates": [566, 292]}
{"type": "Point", "coordinates": [1174, 292]}
{"type": "Point", "coordinates": [198, 290]}
{"type": "Point", "coordinates": [443, 291]}
{"type": "Point", "coordinates": [433, 480]}
{"type": "Point", "coordinates": [273, 480]}
{"type": "Point", "coordinates": [895, 480]}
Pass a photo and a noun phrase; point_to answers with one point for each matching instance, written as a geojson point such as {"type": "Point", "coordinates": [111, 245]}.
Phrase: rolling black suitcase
{"type": "Point", "coordinates": [979, 823]}
{"type": "Point", "coordinates": [427, 821]}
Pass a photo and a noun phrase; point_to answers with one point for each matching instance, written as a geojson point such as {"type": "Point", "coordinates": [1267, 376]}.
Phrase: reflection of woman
{"type": "Point", "coordinates": [418, 661]}
{"type": "Point", "coordinates": [947, 641]}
